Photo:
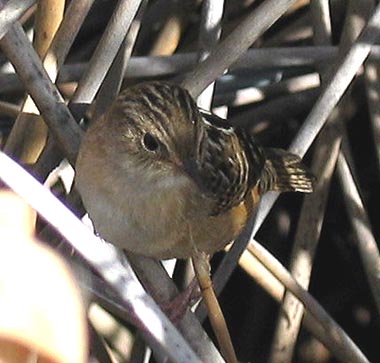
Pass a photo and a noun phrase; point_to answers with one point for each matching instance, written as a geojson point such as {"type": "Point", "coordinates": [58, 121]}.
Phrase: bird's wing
{"type": "Point", "coordinates": [227, 165]}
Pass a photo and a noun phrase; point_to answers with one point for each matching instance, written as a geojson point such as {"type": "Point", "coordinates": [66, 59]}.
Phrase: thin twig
{"type": "Point", "coordinates": [59, 48]}
{"type": "Point", "coordinates": [306, 241]}
{"type": "Point", "coordinates": [9, 109]}
{"type": "Point", "coordinates": [312, 211]}
{"type": "Point", "coordinates": [299, 30]}
{"type": "Point", "coordinates": [372, 87]}
{"type": "Point", "coordinates": [227, 266]}
{"type": "Point", "coordinates": [332, 330]}
{"type": "Point", "coordinates": [210, 31]}
{"type": "Point", "coordinates": [276, 289]}
{"type": "Point", "coordinates": [47, 20]}
{"type": "Point", "coordinates": [170, 34]}
{"type": "Point", "coordinates": [11, 12]}
{"type": "Point", "coordinates": [256, 94]}
{"type": "Point", "coordinates": [287, 106]}
{"type": "Point", "coordinates": [146, 67]}
{"type": "Point", "coordinates": [43, 92]}
{"type": "Point", "coordinates": [202, 272]}
{"type": "Point", "coordinates": [74, 17]}
{"type": "Point", "coordinates": [61, 44]}
{"type": "Point", "coordinates": [320, 15]}
{"type": "Point", "coordinates": [236, 43]}
{"type": "Point", "coordinates": [112, 83]}
{"type": "Point", "coordinates": [98, 345]}
{"type": "Point", "coordinates": [106, 51]}
{"type": "Point", "coordinates": [361, 227]}
{"type": "Point", "coordinates": [156, 14]}
{"type": "Point", "coordinates": [29, 133]}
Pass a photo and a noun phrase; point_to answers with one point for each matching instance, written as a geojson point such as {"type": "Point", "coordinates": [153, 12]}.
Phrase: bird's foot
{"type": "Point", "coordinates": [176, 308]}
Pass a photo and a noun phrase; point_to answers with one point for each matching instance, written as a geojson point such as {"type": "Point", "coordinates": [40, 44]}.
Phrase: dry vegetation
{"type": "Point", "coordinates": [302, 75]}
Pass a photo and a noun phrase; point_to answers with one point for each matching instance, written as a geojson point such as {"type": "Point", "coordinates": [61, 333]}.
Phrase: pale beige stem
{"type": "Point", "coordinates": [169, 37]}
{"type": "Point", "coordinates": [202, 271]}
{"type": "Point", "coordinates": [29, 133]}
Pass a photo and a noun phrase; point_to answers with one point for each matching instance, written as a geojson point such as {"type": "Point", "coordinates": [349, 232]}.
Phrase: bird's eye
{"type": "Point", "coordinates": [150, 142]}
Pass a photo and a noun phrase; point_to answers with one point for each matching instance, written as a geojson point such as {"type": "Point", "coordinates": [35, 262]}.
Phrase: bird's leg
{"type": "Point", "coordinates": [171, 302]}
{"type": "Point", "coordinates": [202, 271]}
{"type": "Point", "coordinates": [176, 308]}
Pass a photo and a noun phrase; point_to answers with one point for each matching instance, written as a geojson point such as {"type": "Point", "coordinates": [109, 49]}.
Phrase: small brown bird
{"type": "Point", "coordinates": [161, 178]}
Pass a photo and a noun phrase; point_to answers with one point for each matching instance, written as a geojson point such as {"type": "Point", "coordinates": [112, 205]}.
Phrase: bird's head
{"type": "Point", "coordinates": [154, 125]}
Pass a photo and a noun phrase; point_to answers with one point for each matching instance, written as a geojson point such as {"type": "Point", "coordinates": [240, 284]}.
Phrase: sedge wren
{"type": "Point", "coordinates": [161, 178]}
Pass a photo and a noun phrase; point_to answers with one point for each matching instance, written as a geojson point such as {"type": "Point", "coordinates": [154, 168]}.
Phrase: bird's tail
{"type": "Point", "coordinates": [284, 172]}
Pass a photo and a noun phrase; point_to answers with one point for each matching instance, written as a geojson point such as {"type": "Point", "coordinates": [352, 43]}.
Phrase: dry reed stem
{"type": "Point", "coordinates": [306, 241]}
{"type": "Point", "coordinates": [236, 43]}
{"type": "Point", "coordinates": [170, 34]}
{"type": "Point", "coordinates": [9, 109]}
{"type": "Point", "coordinates": [332, 330]}
{"type": "Point", "coordinates": [368, 249]}
{"type": "Point", "coordinates": [29, 133]}
{"type": "Point", "coordinates": [372, 87]}
{"type": "Point", "coordinates": [44, 93]}
{"type": "Point", "coordinates": [114, 78]}
{"type": "Point", "coordinates": [320, 16]}
{"type": "Point", "coordinates": [60, 46]}
{"type": "Point", "coordinates": [209, 35]}
{"type": "Point", "coordinates": [202, 272]}
{"type": "Point", "coordinates": [11, 12]}
{"type": "Point", "coordinates": [312, 212]}
{"type": "Point", "coordinates": [146, 67]}
{"type": "Point", "coordinates": [106, 51]}
{"type": "Point", "coordinates": [297, 31]}
{"type": "Point", "coordinates": [254, 268]}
